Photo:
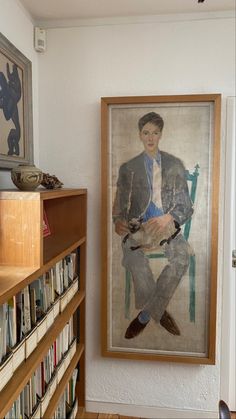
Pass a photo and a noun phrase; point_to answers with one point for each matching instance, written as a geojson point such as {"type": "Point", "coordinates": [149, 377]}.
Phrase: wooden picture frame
{"type": "Point", "coordinates": [16, 121]}
{"type": "Point", "coordinates": [179, 319]}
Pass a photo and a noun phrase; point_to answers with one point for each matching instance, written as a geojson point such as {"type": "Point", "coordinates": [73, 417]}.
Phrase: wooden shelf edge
{"type": "Point", "coordinates": [28, 274]}
{"type": "Point", "coordinates": [61, 386]}
{"type": "Point", "coordinates": [58, 193]}
{"type": "Point", "coordinates": [40, 193]}
{"type": "Point", "coordinates": [11, 279]}
{"type": "Point", "coordinates": [23, 373]}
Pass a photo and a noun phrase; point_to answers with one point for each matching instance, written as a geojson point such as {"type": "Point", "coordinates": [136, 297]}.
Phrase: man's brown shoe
{"type": "Point", "coordinates": [135, 328]}
{"type": "Point", "coordinates": [169, 324]}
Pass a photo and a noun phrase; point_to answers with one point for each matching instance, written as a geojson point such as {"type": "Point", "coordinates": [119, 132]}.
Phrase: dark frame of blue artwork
{"type": "Point", "coordinates": [16, 135]}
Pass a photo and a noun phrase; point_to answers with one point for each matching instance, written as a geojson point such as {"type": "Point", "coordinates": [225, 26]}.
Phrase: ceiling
{"type": "Point", "coordinates": [45, 10]}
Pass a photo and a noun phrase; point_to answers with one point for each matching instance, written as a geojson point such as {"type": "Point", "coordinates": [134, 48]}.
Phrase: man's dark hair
{"type": "Point", "coordinates": [152, 117]}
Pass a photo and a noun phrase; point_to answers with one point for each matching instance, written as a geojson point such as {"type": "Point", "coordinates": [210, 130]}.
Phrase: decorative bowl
{"type": "Point", "coordinates": [26, 177]}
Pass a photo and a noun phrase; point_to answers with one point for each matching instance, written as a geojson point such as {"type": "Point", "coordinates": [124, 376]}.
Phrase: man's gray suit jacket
{"type": "Point", "coordinates": [133, 193]}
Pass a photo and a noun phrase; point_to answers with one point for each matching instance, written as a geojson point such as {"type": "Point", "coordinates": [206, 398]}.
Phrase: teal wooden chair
{"type": "Point", "coordinates": [192, 178]}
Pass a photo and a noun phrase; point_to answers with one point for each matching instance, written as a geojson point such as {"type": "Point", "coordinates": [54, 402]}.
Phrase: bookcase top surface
{"type": "Point", "coordinates": [40, 193]}
{"type": "Point", "coordinates": [10, 278]}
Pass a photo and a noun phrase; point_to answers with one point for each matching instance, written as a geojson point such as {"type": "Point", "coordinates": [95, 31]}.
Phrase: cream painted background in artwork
{"type": "Point", "coordinates": [187, 134]}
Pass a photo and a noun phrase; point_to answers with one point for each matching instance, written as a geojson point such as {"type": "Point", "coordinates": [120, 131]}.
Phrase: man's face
{"type": "Point", "coordinates": [150, 136]}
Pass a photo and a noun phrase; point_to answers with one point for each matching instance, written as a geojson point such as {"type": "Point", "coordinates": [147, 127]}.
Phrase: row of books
{"type": "Point", "coordinates": [44, 291]}
{"type": "Point", "coordinates": [17, 354]}
{"type": "Point", "coordinates": [68, 406]}
{"type": "Point", "coordinates": [35, 397]}
{"type": "Point", "coordinates": [23, 311]}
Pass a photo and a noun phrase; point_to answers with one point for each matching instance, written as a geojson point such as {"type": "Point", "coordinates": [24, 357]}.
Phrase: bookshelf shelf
{"type": "Point", "coordinates": [14, 278]}
{"type": "Point", "coordinates": [22, 241]}
{"type": "Point", "coordinates": [26, 255]}
{"type": "Point", "coordinates": [56, 244]}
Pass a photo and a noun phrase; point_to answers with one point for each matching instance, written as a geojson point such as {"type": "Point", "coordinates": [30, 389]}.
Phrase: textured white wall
{"type": "Point", "coordinates": [81, 65]}
{"type": "Point", "coordinates": [17, 27]}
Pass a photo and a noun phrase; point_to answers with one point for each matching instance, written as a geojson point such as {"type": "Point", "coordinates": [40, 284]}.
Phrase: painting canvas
{"type": "Point", "coordinates": [160, 160]}
{"type": "Point", "coordinates": [16, 139]}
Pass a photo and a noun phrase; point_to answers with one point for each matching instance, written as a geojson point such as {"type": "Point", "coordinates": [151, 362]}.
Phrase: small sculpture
{"type": "Point", "coordinates": [51, 181]}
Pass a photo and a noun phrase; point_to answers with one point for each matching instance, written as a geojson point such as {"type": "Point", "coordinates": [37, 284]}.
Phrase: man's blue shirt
{"type": "Point", "coordinates": [152, 210]}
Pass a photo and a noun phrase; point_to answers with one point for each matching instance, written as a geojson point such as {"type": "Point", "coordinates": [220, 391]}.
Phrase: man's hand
{"type": "Point", "coordinates": [157, 224]}
{"type": "Point", "coordinates": [121, 227]}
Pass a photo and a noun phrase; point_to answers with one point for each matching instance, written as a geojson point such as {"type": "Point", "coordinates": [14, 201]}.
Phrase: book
{"type": "Point", "coordinates": [26, 311]}
{"type": "Point", "coordinates": [3, 331]}
{"type": "Point", "coordinates": [55, 361]}
{"type": "Point", "coordinates": [43, 384]}
{"type": "Point", "coordinates": [27, 400]}
{"type": "Point", "coordinates": [65, 274]}
{"type": "Point", "coordinates": [44, 293]}
{"type": "Point", "coordinates": [21, 405]}
{"type": "Point", "coordinates": [72, 385]}
{"type": "Point", "coordinates": [23, 313]}
{"type": "Point", "coordinates": [58, 278]}
{"type": "Point", "coordinates": [72, 265]}
{"type": "Point", "coordinates": [33, 306]}
{"type": "Point", "coordinates": [19, 317]}
{"type": "Point", "coordinates": [38, 382]}
{"type": "Point", "coordinates": [50, 286]}
{"type": "Point", "coordinates": [46, 227]}
{"type": "Point", "coordinates": [11, 337]}
{"type": "Point", "coordinates": [38, 293]}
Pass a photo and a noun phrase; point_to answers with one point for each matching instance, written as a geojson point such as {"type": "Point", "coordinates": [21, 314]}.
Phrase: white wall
{"type": "Point", "coordinates": [228, 352]}
{"type": "Point", "coordinates": [81, 65]}
{"type": "Point", "coordinates": [17, 27]}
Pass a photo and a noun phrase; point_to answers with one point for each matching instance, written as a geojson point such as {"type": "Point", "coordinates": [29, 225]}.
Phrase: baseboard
{"type": "Point", "coordinates": [148, 411]}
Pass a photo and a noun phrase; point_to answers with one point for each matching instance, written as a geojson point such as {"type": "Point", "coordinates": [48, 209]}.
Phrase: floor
{"type": "Point", "coordinates": [88, 415]}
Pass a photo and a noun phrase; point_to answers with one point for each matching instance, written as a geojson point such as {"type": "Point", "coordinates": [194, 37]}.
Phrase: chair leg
{"type": "Point", "coordinates": [127, 293]}
{"type": "Point", "coordinates": [192, 297]}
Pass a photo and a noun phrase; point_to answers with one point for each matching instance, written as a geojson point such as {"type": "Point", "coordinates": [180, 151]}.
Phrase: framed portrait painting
{"type": "Point", "coordinates": [16, 126]}
{"type": "Point", "coordinates": [160, 179]}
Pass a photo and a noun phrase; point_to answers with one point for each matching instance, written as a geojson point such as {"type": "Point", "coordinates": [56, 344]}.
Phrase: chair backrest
{"type": "Point", "coordinates": [193, 178]}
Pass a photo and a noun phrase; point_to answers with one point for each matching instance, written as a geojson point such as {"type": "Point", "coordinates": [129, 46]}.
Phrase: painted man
{"type": "Point", "coordinates": [152, 190]}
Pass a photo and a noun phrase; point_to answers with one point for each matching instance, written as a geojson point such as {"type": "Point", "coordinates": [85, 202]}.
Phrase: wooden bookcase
{"type": "Point", "coordinates": [25, 255]}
